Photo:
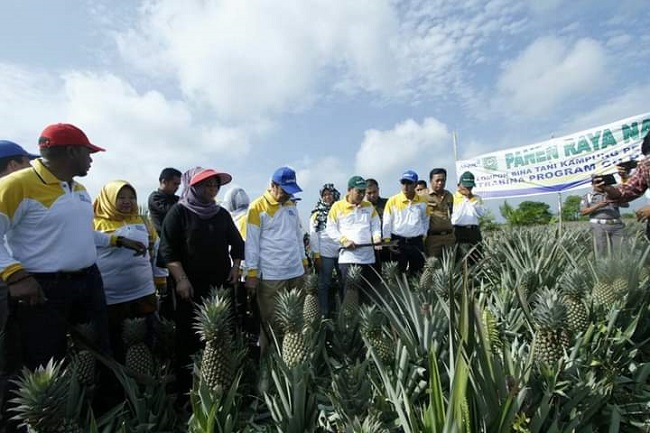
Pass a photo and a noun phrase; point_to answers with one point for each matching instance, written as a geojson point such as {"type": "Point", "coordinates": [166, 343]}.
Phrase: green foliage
{"type": "Point", "coordinates": [488, 222]}
{"type": "Point", "coordinates": [571, 208]}
{"type": "Point", "coordinates": [527, 213]}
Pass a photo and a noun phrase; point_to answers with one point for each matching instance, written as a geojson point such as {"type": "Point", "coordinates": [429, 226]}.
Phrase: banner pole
{"type": "Point", "coordinates": [559, 213]}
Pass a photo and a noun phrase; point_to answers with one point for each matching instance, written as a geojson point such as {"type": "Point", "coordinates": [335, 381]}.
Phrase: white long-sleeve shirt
{"type": "Point", "coordinates": [405, 218]}
{"type": "Point", "coordinates": [321, 244]}
{"type": "Point", "coordinates": [467, 211]}
{"type": "Point", "coordinates": [274, 240]}
{"type": "Point", "coordinates": [357, 223]}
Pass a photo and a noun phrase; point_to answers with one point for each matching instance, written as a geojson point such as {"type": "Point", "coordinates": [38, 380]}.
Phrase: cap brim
{"type": "Point", "coordinates": [291, 188]}
{"type": "Point", "coordinates": [468, 184]}
{"type": "Point", "coordinates": [94, 149]}
{"type": "Point", "coordinates": [32, 156]}
{"type": "Point", "coordinates": [224, 178]}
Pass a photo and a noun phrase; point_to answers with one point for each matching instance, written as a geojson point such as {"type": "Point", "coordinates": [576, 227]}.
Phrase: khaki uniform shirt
{"type": "Point", "coordinates": [441, 207]}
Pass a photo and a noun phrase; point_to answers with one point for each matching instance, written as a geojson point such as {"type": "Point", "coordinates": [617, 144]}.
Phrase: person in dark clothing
{"type": "Point", "coordinates": [161, 200]}
{"type": "Point", "coordinates": [373, 196]}
{"type": "Point", "coordinates": [203, 249]}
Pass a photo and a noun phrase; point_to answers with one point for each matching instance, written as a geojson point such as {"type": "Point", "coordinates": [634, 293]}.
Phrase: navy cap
{"type": "Point", "coordinates": [409, 175]}
{"type": "Point", "coordinates": [9, 148]}
{"type": "Point", "coordinates": [285, 177]}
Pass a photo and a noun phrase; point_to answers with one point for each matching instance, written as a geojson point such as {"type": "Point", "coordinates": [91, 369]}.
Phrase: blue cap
{"type": "Point", "coordinates": [9, 148]}
{"type": "Point", "coordinates": [285, 177]}
{"type": "Point", "coordinates": [409, 175]}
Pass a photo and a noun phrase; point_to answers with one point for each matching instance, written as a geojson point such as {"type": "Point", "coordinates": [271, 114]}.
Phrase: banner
{"type": "Point", "coordinates": [558, 164]}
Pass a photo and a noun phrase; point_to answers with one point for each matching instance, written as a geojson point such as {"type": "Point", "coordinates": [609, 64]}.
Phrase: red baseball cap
{"type": "Point", "coordinates": [224, 178]}
{"type": "Point", "coordinates": [65, 134]}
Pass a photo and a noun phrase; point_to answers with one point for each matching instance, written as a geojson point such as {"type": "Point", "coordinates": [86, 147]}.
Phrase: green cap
{"type": "Point", "coordinates": [467, 180]}
{"type": "Point", "coordinates": [357, 182]}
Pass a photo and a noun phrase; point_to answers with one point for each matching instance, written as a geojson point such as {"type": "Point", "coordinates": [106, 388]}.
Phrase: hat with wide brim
{"type": "Point", "coordinates": [224, 178]}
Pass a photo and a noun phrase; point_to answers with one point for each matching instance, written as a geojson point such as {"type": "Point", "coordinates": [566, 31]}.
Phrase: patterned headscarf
{"type": "Point", "coordinates": [322, 209]}
{"type": "Point", "coordinates": [192, 200]}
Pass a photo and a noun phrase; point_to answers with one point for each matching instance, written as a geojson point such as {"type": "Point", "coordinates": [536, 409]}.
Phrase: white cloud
{"type": "Point", "coordinates": [548, 72]}
{"type": "Point", "coordinates": [142, 132]}
{"type": "Point", "coordinates": [385, 154]}
{"type": "Point", "coordinates": [255, 59]}
{"type": "Point", "coordinates": [627, 103]}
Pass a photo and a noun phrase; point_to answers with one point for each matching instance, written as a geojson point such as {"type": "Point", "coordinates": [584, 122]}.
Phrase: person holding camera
{"type": "Point", "coordinates": [635, 186]}
{"type": "Point", "coordinates": [604, 216]}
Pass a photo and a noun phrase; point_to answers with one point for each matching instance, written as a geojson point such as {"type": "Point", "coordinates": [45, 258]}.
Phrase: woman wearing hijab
{"type": "Point", "coordinates": [202, 249]}
{"type": "Point", "coordinates": [128, 280]}
{"type": "Point", "coordinates": [324, 249]}
{"type": "Point", "coordinates": [236, 201]}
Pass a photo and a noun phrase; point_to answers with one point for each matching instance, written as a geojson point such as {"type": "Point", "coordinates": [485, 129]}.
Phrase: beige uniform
{"type": "Point", "coordinates": [441, 231]}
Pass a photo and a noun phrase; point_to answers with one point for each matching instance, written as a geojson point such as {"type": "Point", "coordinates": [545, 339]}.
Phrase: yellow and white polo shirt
{"type": "Point", "coordinates": [406, 218]}
{"type": "Point", "coordinates": [357, 223]}
{"type": "Point", "coordinates": [274, 245]}
{"type": "Point", "coordinates": [48, 223]}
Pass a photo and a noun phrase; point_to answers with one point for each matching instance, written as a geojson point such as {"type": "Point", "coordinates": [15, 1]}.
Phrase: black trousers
{"type": "Point", "coordinates": [469, 241]}
{"type": "Point", "coordinates": [410, 258]}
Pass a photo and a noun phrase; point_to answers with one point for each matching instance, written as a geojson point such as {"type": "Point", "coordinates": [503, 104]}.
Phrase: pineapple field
{"type": "Point", "coordinates": [541, 336]}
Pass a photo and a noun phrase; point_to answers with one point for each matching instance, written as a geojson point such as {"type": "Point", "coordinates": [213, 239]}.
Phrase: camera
{"type": "Point", "coordinates": [607, 179]}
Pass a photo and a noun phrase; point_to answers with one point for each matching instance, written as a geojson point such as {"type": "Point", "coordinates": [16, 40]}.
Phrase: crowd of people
{"type": "Point", "coordinates": [67, 259]}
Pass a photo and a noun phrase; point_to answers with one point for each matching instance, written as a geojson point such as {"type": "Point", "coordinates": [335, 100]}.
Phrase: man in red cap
{"type": "Point", "coordinates": [47, 218]}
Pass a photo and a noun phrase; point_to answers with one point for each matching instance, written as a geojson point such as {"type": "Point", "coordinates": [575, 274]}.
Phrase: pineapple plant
{"type": "Point", "coordinates": [311, 309]}
{"type": "Point", "coordinates": [138, 355]}
{"type": "Point", "coordinates": [350, 304]}
{"type": "Point", "coordinates": [288, 315]}
{"type": "Point", "coordinates": [491, 327]}
{"type": "Point", "coordinates": [42, 400]}
{"type": "Point", "coordinates": [389, 272]}
{"type": "Point", "coordinates": [213, 323]}
{"type": "Point", "coordinates": [165, 339]}
{"type": "Point", "coordinates": [372, 323]}
{"type": "Point", "coordinates": [551, 338]}
{"type": "Point", "coordinates": [82, 360]}
{"type": "Point", "coordinates": [527, 284]}
{"type": "Point", "coordinates": [431, 264]}
{"type": "Point", "coordinates": [608, 287]}
{"type": "Point", "coordinates": [574, 288]}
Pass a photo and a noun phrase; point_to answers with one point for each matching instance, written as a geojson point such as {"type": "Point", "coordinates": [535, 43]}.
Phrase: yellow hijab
{"type": "Point", "coordinates": [105, 204]}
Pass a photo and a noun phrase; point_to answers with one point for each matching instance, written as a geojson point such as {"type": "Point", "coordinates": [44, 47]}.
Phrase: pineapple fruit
{"type": "Point", "coordinates": [574, 288]}
{"type": "Point", "coordinates": [288, 315]}
{"type": "Point", "coordinates": [311, 309]}
{"type": "Point", "coordinates": [527, 284]}
{"type": "Point", "coordinates": [41, 402]}
{"type": "Point", "coordinates": [82, 360]}
{"type": "Point", "coordinates": [551, 337]}
{"type": "Point", "coordinates": [609, 287]}
{"type": "Point", "coordinates": [138, 355]}
{"type": "Point", "coordinates": [372, 322]}
{"type": "Point", "coordinates": [213, 322]}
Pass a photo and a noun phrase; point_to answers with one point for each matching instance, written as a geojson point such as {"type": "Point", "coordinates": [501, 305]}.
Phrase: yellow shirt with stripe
{"type": "Point", "coordinates": [467, 211]}
{"type": "Point", "coordinates": [406, 218]}
{"type": "Point", "coordinates": [274, 245]}
{"type": "Point", "coordinates": [357, 223]}
{"type": "Point", "coordinates": [47, 222]}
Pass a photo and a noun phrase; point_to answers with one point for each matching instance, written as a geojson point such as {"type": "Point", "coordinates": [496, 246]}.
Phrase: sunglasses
{"type": "Point", "coordinates": [407, 182]}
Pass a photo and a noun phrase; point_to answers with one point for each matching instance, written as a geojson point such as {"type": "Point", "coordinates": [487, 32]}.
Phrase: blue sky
{"type": "Point", "coordinates": [331, 88]}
